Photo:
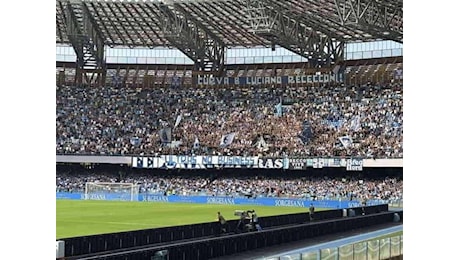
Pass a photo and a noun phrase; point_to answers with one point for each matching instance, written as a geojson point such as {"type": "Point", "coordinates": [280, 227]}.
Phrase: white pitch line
{"type": "Point", "coordinates": [112, 222]}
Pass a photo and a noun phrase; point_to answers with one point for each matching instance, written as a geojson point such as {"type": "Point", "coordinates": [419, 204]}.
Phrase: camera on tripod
{"type": "Point", "coordinates": [246, 220]}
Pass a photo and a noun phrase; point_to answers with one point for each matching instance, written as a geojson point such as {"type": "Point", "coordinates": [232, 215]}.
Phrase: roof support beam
{"type": "Point", "coordinates": [88, 46]}
{"type": "Point", "coordinates": [193, 39]}
{"type": "Point", "coordinates": [282, 29]}
{"type": "Point", "coordinates": [383, 21]}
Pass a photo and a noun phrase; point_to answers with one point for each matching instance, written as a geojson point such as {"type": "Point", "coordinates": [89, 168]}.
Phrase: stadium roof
{"type": "Point", "coordinates": [202, 30]}
{"type": "Point", "coordinates": [134, 24]}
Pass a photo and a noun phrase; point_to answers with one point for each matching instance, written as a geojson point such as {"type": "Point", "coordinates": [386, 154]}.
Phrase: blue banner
{"type": "Point", "coordinates": [275, 202]}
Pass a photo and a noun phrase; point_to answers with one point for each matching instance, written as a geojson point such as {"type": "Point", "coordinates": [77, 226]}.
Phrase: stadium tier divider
{"type": "Point", "coordinates": [84, 245]}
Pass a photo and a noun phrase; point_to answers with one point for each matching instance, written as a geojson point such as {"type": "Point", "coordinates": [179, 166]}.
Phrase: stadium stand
{"type": "Point", "coordinates": [122, 121]}
{"type": "Point", "coordinates": [242, 185]}
{"type": "Point", "coordinates": [113, 119]}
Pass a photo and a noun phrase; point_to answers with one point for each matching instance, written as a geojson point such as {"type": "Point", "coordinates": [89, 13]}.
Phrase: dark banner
{"type": "Point", "coordinates": [277, 80]}
{"type": "Point", "coordinates": [304, 163]}
{"type": "Point", "coordinates": [297, 164]}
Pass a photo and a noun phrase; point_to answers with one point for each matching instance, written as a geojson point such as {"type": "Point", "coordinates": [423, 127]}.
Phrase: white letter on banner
{"type": "Point", "coordinates": [237, 160]}
{"type": "Point", "coordinates": [334, 78]}
{"type": "Point", "coordinates": [297, 79]}
{"type": "Point", "coordinates": [207, 159]}
{"type": "Point", "coordinates": [309, 79]}
{"type": "Point", "coordinates": [267, 80]}
{"type": "Point", "coordinates": [279, 80]}
{"type": "Point", "coordinates": [219, 80]}
{"type": "Point", "coordinates": [291, 80]}
{"type": "Point", "coordinates": [226, 80]}
{"type": "Point", "coordinates": [182, 159]}
{"type": "Point", "coordinates": [236, 81]}
{"type": "Point", "coordinates": [230, 160]}
{"type": "Point", "coordinates": [222, 160]}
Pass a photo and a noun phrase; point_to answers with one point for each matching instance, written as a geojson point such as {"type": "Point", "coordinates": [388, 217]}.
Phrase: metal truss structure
{"type": "Point", "coordinates": [204, 29]}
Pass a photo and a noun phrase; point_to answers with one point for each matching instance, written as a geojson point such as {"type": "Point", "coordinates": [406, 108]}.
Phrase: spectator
{"type": "Point", "coordinates": [125, 121]}
{"type": "Point", "coordinates": [325, 188]}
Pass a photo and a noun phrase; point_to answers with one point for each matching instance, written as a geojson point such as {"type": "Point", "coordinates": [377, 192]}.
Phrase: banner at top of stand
{"type": "Point", "coordinates": [276, 80]}
{"type": "Point", "coordinates": [221, 161]}
{"type": "Point", "coordinates": [195, 162]}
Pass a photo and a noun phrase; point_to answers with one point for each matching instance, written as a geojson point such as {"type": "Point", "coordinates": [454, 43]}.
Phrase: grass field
{"type": "Point", "coordinates": [89, 217]}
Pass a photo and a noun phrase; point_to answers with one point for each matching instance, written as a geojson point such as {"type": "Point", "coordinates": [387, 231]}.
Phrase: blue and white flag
{"type": "Point", "coordinates": [178, 119]}
{"type": "Point", "coordinates": [355, 124]}
{"type": "Point", "coordinates": [261, 144]}
{"type": "Point", "coordinates": [196, 144]}
{"type": "Point", "coordinates": [279, 109]}
{"type": "Point", "coordinates": [307, 133]}
{"type": "Point", "coordinates": [165, 135]}
{"type": "Point", "coordinates": [227, 139]}
{"type": "Point", "coordinates": [174, 144]}
{"type": "Point", "coordinates": [136, 141]}
{"type": "Point", "coordinates": [346, 141]}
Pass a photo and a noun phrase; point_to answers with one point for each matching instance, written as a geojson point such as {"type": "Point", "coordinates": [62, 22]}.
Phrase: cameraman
{"type": "Point", "coordinates": [242, 224]}
{"type": "Point", "coordinates": [223, 223]}
{"type": "Point", "coordinates": [312, 211]}
{"type": "Point", "coordinates": [255, 221]}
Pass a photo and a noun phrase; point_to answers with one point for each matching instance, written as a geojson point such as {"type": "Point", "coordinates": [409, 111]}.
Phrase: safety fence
{"type": "Point", "coordinates": [377, 249]}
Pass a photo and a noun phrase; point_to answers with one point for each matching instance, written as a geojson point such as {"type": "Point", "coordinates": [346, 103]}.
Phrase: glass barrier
{"type": "Point", "coordinates": [373, 250]}
{"type": "Point", "coordinates": [367, 250]}
{"type": "Point", "coordinates": [394, 246]}
{"type": "Point", "coordinates": [291, 257]}
{"type": "Point", "coordinates": [329, 254]}
{"type": "Point", "coordinates": [359, 251]}
{"type": "Point", "coordinates": [310, 255]}
{"type": "Point", "coordinates": [384, 248]}
{"type": "Point", "coordinates": [346, 252]}
{"type": "Point", "coordinates": [401, 244]}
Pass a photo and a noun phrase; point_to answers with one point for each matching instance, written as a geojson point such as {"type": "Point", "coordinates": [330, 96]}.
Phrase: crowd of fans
{"type": "Point", "coordinates": [319, 188]}
{"type": "Point", "coordinates": [127, 121]}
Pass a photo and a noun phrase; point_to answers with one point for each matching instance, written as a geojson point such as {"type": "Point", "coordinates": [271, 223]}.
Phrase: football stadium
{"type": "Point", "coordinates": [229, 129]}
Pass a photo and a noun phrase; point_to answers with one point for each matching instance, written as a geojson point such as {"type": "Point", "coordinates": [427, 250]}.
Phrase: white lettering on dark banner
{"type": "Point", "coordinates": [271, 163]}
{"type": "Point", "coordinates": [297, 164]}
{"type": "Point", "coordinates": [205, 80]}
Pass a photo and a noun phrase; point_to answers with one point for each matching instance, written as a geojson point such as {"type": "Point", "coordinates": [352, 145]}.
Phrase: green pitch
{"type": "Point", "coordinates": [89, 217]}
